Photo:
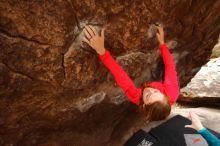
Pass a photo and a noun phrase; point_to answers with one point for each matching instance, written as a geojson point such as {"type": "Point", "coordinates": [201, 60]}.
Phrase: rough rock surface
{"type": "Point", "coordinates": [204, 87]}
{"type": "Point", "coordinates": [206, 82]}
{"type": "Point", "coordinates": [54, 90]}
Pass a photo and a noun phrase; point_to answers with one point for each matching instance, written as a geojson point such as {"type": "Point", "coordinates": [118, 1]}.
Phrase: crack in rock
{"type": "Point", "coordinates": [7, 34]}
{"type": "Point", "coordinates": [63, 66]}
{"type": "Point", "coordinates": [17, 72]}
{"type": "Point", "coordinates": [74, 13]}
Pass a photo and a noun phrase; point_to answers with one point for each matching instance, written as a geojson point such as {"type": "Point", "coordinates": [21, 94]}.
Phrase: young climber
{"type": "Point", "coordinates": [154, 99]}
{"type": "Point", "coordinates": [208, 136]}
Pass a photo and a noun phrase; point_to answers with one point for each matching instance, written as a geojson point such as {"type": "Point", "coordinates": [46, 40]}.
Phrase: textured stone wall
{"type": "Point", "coordinates": [53, 88]}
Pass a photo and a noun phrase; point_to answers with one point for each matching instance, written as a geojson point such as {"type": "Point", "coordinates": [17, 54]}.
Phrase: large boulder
{"type": "Point", "coordinates": [203, 89]}
{"type": "Point", "coordinates": [53, 88]}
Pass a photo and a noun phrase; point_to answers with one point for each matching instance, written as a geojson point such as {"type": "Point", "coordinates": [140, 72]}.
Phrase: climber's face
{"type": "Point", "coordinates": [151, 95]}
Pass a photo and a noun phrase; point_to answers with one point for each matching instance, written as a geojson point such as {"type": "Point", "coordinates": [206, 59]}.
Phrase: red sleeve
{"type": "Point", "coordinates": [121, 78]}
{"type": "Point", "coordinates": [170, 79]}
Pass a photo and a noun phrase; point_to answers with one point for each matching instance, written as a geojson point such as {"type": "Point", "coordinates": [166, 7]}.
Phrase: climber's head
{"type": "Point", "coordinates": [154, 104]}
{"type": "Point", "coordinates": [151, 95]}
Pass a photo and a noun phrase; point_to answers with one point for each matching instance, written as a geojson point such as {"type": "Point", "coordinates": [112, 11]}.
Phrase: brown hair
{"type": "Point", "coordinates": [155, 111]}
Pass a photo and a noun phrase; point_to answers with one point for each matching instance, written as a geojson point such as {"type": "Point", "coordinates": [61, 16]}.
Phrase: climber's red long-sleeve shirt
{"type": "Point", "coordinates": [169, 87]}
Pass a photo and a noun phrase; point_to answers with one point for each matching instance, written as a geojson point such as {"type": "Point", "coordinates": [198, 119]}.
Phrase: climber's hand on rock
{"type": "Point", "coordinates": [160, 35]}
{"type": "Point", "coordinates": [93, 39]}
{"type": "Point", "coordinates": [196, 123]}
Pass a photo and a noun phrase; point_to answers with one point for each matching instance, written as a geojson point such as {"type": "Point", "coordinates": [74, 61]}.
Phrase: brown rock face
{"type": "Point", "coordinates": [53, 88]}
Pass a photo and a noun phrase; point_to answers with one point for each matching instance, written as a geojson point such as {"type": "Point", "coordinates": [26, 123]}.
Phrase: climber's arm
{"type": "Point", "coordinates": [97, 43]}
{"type": "Point", "coordinates": [170, 78]}
{"type": "Point", "coordinates": [121, 77]}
